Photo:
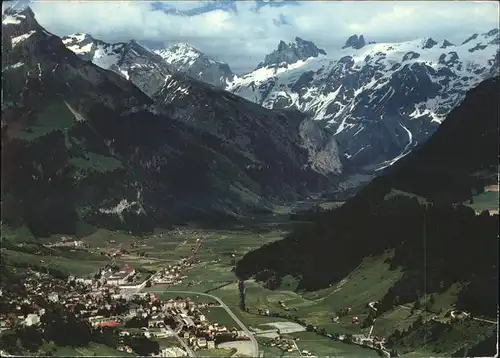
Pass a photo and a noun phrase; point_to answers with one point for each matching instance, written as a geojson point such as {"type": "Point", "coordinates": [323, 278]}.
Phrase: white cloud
{"type": "Point", "coordinates": [243, 37]}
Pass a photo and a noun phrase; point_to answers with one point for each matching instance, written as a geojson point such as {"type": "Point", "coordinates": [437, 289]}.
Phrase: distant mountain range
{"type": "Point", "coordinates": [146, 68]}
{"type": "Point", "coordinates": [141, 147]}
{"type": "Point", "coordinates": [378, 100]}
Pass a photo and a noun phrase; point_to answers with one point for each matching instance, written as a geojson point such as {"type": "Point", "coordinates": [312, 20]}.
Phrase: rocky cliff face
{"type": "Point", "coordinates": [379, 100]}
{"type": "Point", "coordinates": [83, 144]}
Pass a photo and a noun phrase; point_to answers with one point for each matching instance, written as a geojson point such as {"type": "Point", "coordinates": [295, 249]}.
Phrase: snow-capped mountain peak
{"type": "Point", "coordinates": [180, 54]}
{"type": "Point", "coordinates": [185, 58]}
{"type": "Point", "coordinates": [87, 48]}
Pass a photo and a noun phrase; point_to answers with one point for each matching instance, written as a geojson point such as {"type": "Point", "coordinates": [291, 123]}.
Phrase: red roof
{"type": "Point", "coordinates": [109, 324]}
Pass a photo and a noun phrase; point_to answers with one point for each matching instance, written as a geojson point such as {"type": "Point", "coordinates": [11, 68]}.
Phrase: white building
{"type": "Point", "coordinates": [32, 319]}
{"type": "Point", "coordinates": [202, 342]}
{"type": "Point", "coordinates": [54, 297]}
{"type": "Point", "coordinates": [120, 277]}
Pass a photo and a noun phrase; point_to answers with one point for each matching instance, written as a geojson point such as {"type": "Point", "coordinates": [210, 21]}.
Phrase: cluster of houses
{"type": "Point", "coordinates": [171, 274]}
{"type": "Point", "coordinates": [288, 345]}
{"type": "Point", "coordinates": [25, 310]}
{"type": "Point", "coordinates": [173, 317]}
{"type": "Point", "coordinates": [375, 342]}
{"type": "Point", "coordinates": [189, 321]}
{"type": "Point", "coordinates": [103, 304]}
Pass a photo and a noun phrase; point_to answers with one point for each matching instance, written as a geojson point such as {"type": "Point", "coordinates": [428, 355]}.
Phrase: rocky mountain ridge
{"type": "Point", "coordinates": [146, 69]}
{"type": "Point", "coordinates": [380, 100]}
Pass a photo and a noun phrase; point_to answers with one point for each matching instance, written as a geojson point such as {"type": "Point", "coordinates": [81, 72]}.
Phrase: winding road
{"type": "Point", "coordinates": [255, 344]}
{"type": "Point", "coordinates": [186, 347]}
{"type": "Point", "coordinates": [452, 314]}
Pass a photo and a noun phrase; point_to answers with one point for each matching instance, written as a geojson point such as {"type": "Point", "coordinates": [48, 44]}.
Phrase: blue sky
{"type": "Point", "coordinates": [241, 33]}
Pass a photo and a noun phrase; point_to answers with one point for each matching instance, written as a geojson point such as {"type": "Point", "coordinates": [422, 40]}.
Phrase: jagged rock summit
{"type": "Point", "coordinates": [355, 42]}
{"type": "Point", "coordinates": [292, 52]}
{"type": "Point", "coordinates": [446, 44]}
{"type": "Point", "coordinates": [429, 43]}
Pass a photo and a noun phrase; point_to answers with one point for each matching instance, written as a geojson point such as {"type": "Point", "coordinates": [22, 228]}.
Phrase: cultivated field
{"type": "Point", "coordinates": [90, 350]}
{"type": "Point", "coordinates": [485, 201]}
{"type": "Point", "coordinates": [322, 346]}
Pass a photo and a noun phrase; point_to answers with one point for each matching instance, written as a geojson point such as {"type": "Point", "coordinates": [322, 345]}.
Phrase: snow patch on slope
{"type": "Point", "coordinates": [10, 20]}
{"type": "Point", "coordinates": [18, 39]}
{"type": "Point", "coordinates": [405, 151]}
